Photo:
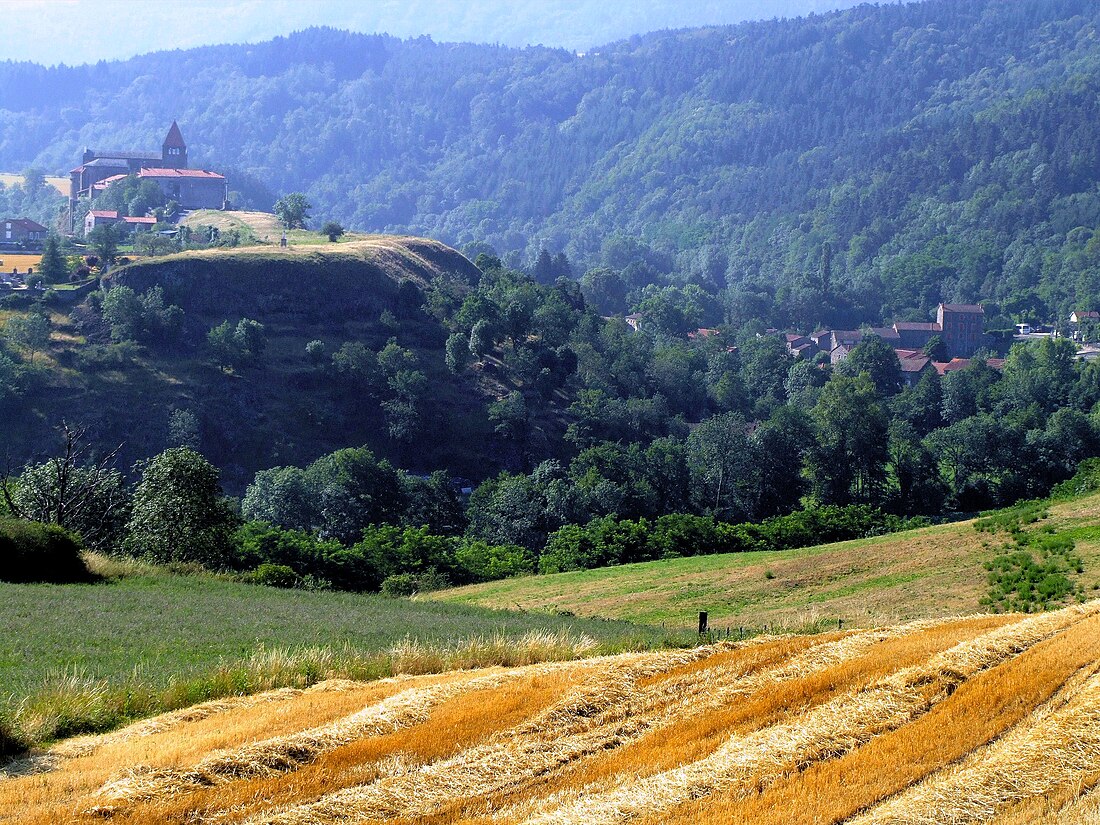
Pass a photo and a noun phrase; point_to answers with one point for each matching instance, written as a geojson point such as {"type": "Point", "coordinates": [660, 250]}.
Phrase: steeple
{"type": "Point", "coordinates": [174, 150]}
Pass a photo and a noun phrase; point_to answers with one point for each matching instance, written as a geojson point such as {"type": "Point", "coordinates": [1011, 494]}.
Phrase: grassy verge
{"type": "Point", "coordinates": [86, 658]}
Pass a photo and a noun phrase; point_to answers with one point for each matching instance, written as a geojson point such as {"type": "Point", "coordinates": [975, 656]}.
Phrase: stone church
{"type": "Point", "coordinates": [190, 188]}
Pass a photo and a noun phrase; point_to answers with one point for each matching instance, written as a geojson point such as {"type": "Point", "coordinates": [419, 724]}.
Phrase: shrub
{"type": "Point", "coordinates": [34, 552]}
{"type": "Point", "coordinates": [398, 585]}
{"type": "Point", "coordinates": [477, 561]}
{"type": "Point", "coordinates": [273, 575]}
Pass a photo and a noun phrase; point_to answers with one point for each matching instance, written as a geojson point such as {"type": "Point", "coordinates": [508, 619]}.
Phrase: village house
{"type": "Point", "coordinates": [126, 223]}
{"type": "Point", "coordinates": [1083, 324]}
{"type": "Point", "coordinates": [190, 188]}
{"type": "Point", "coordinates": [22, 230]}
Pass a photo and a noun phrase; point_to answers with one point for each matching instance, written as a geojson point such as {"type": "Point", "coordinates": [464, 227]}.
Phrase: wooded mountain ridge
{"type": "Point", "coordinates": [942, 150]}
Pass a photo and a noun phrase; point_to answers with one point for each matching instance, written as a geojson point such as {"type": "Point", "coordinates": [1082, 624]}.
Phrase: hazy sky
{"type": "Point", "coordinates": [83, 31]}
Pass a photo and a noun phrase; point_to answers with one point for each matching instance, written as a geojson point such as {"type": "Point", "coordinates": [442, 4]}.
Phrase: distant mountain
{"type": "Point", "coordinates": [852, 166]}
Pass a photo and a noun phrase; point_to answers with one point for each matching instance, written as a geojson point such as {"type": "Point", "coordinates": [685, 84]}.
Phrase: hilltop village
{"type": "Point", "coordinates": [168, 170]}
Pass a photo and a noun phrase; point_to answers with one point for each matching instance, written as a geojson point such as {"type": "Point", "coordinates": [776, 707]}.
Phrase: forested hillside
{"type": "Point", "coordinates": [938, 150]}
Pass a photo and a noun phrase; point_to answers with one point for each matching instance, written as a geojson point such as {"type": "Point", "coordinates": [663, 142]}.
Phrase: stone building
{"type": "Point", "coordinates": [190, 188]}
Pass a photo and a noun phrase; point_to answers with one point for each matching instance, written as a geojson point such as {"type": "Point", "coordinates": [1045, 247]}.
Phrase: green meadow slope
{"type": "Point", "coordinates": [935, 571]}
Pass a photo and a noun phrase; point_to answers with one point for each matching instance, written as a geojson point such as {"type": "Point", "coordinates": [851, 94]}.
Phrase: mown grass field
{"type": "Point", "coordinates": [16, 179]}
{"type": "Point", "coordinates": [170, 639]}
{"type": "Point", "coordinates": [263, 226]}
{"type": "Point", "coordinates": [978, 719]}
{"type": "Point", "coordinates": [916, 574]}
{"type": "Point", "coordinates": [10, 260]}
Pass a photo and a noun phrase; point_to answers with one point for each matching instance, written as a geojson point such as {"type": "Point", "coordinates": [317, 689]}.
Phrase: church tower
{"type": "Point", "coordinates": [174, 150]}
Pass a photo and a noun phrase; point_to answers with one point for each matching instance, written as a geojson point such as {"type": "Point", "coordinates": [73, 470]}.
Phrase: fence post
{"type": "Point", "coordinates": [702, 622]}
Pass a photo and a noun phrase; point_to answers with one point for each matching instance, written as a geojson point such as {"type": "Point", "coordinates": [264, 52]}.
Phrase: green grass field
{"type": "Point", "coordinates": [169, 626]}
{"type": "Point", "coordinates": [77, 658]}
{"type": "Point", "coordinates": [934, 571]}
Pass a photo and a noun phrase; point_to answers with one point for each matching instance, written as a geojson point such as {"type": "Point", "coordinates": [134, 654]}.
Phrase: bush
{"type": "Point", "coordinates": [609, 541]}
{"type": "Point", "coordinates": [477, 561]}
{"type": "Point", "coordinates": [34, 552]}
{"type": "Point", "coordinates": [273, 575]}
{"type": "Point", "coordinates": [398, 585]}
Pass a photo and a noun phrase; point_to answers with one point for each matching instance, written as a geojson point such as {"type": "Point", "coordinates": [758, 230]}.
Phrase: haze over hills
{"type": "Point", "coordinates": [944, 150]}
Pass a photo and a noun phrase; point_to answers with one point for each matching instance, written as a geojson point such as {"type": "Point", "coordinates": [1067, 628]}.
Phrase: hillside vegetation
{"type": "Point", "coordinates": [915, 574]}
{"type": "Point", "coordinates": [985, 719]}
{"type": "Point", "coordinates": [283, 409]}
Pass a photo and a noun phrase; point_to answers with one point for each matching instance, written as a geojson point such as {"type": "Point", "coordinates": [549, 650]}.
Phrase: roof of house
{"type": "Point", "coordinates": [121, 153]}
{"type": "Point", "coordinates": [175, 137]}
{"type": "Point", "coordinates": [853, 336]}
{"type": "Point", "coordinates": [908, 353]}
{"type": "Point", "coordinates": [112, 163]}
{"type": "Point", "coordinates": [154, 172]}
{"type": "Point", "coordinates": [1092, 313]}
{"type": "Point", "coordinates": [916, 326]}
{"type": "Point", "coordinates": [702, 332]}
{"type": "Point", "coordinates": [914, 363]}
{"type": "Point", "coordinates": [104, 213]}
{"type": "Point", "coordinates": [885, 332]}
{"type": "Point", "coordinates": [103, 184]}
{"type": "Point", "coordinates": [968, 308]}
{"type": "Point", "coordinates": [962, 363]}
{"type": "Point", "coordinates": [26, 224]}
{"type": "Point", "coordinates": [148, 220]}
{"type": "Point", "coordinates": [794, 337]}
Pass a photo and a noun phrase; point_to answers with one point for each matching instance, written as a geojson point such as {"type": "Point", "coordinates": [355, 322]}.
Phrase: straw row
{"type": "Point", "coordinates": [753, 761]}
{"type": "Point", "coordinates": [286, 753]}
{"type": "Point", "coordinates": [604, 714]}
{"type": "Point", "coordinates": [1054, 748]}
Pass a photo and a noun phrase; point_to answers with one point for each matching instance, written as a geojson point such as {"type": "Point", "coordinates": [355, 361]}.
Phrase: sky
{"type": "Point", "coordinates": [86, 31]}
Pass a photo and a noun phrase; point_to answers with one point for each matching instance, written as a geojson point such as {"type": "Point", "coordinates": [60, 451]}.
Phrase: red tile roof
{"type": "Point", "coordinates": [179, 173]}
{"type": "Point", "coordinates": [918, 326]}
{"type": "Point", "coordinates": [104, 213]}
{"type": "Point", "coordinates": [970, 308]}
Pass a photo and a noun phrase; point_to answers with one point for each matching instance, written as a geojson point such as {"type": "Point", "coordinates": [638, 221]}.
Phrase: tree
{"type": "Point", "coordinates": [52, 267]}
{"type": "Point", "coordinates": [30, 332]}
{"type": "Point", "coordinates": [721, 463]}
{"type": "Point", "coordinates": [875, 357]}
{"type": "Point", "coordinates": [481, 338]}
{"type": "Point", "coordinates": [333, 230]}
{"type": "Point", "coordinates": [104, 240]}
{"type": "Point", "coordinates": [122, 310]}
{"type": "Point", "coordinates": [74, 491]}
{"type": "Point", "coordinates": [936, 349]}
{"type": "Point", "coordinates": [293, 210]}
{"type": "Point", "coordinates": [183, 430]}
{"type": "Point", "coordinates": [846, 462]}
{"type": "Point", "coordinates": [457, 353]}
{"type": "Point", "coordinates": [236, 346]}
{"type": "Point", "coordinates": [178, 513]}
{"type": "Point", "coordinates": [315, 352]}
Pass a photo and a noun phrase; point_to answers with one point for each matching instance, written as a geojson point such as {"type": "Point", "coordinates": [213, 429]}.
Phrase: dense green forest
{"type": "Point", "coordinates": [943, 150]}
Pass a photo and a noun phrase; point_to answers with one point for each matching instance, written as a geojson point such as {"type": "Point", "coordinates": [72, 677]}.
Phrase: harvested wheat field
{"type": "Point", "coordinates": [976, 719]}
